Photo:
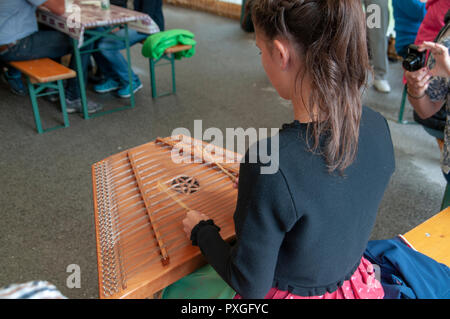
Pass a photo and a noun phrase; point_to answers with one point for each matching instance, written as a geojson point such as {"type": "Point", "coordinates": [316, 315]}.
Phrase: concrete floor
{"type": "Point", "coordinates": [46, 203]}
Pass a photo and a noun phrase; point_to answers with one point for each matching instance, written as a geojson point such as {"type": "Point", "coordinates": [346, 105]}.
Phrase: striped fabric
{"type": "Point", "coordinates": [31, 290]}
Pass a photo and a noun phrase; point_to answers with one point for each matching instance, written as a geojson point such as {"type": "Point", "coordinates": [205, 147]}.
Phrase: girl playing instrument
{"type": "Point", "coordinates": [301, 232]}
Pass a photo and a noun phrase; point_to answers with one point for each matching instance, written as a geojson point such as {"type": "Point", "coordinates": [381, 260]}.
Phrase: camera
{"type": "Point", "coordinates": [415, 60]}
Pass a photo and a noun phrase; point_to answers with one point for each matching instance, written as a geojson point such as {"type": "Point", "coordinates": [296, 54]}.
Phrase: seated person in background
{"type": "Point", "coordinates": [110, 60]}
{"type": "Point", "coordinates": [19, 31]}
{"type": "Point", "coordinates": [408, 15]}
{"type": "Point", "coordinates": [429, 88]}
{"type": "Point", "coordinates": [433, 21]}
{"type": "Point", "coordinates": [21, 40]}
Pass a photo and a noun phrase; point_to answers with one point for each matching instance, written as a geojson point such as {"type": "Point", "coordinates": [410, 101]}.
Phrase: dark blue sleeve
{"type": "Point", "coordinates": [264, 213]}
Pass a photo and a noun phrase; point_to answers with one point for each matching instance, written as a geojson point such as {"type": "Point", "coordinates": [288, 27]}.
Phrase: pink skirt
{"type": "Point", "coordinates": [362, 285]}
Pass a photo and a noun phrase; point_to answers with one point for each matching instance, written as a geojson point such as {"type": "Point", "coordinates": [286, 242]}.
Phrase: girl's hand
{"type": "Point", "coordinates": [191, 220]}
{"type": "Point", "coordinates": [440, 54]}
{"type": "Point", "coordinates": [418, 81]}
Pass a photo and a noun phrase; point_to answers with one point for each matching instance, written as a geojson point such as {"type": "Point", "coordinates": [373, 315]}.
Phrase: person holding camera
{"type": "Point", "coordinates": [428, 87]}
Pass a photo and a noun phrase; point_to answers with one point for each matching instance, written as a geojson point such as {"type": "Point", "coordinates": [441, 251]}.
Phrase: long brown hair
{"type": "Point", "coordinates": [331, 40]}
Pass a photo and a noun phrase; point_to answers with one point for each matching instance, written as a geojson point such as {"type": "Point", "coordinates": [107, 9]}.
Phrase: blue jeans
{"type": "Point", "coordinates": [48, 44]}
{"type": "Point", "coordinates": [111, 62]}
{"type": "Point", "coordinates": [30, 48]}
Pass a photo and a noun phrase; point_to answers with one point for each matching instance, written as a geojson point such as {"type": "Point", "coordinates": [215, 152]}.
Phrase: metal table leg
{"type": "Point", "coordinates": [98, 35]}
{"type": "Point", "coordinates": [80, 76]}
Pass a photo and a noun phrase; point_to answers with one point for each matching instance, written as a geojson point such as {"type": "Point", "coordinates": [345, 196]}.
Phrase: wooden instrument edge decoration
{"type": "Point", "coordinates": [102, 248]}
{"type": "Point", "coordinates": [117, 279]}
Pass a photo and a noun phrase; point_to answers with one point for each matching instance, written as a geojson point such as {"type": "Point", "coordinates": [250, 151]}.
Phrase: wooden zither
{"type": "Point", "coordinates": [141, 197]}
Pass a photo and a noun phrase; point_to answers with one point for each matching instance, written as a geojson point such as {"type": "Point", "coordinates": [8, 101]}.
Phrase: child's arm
{"type": "Point", "coordinates": [264, 213]}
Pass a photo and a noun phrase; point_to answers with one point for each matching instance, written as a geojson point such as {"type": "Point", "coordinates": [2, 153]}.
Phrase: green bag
{"type": "Point", "coordinates": [205, 283]}
{"type": "Point", "coordinates": [157, 43]}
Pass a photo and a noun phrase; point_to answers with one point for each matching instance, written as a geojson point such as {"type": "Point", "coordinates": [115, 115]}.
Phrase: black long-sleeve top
{"type": "Point", "coordinates": [302, 229]}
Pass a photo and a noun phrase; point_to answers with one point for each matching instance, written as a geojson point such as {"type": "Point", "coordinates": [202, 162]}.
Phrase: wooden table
{"type": "Point", "coordinates": [86, 20]}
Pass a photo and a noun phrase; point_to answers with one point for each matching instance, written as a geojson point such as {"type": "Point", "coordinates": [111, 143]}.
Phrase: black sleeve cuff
{"type": "Point", "coordinates": [197, 227]}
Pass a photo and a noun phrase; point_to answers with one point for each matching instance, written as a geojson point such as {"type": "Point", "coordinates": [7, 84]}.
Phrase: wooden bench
{"type": "Point", "coordinates": [44, 74]}
{"type": "Point", "coordinates": [169, 55]}
{"type": "Point", "coordinates": [432, 237]}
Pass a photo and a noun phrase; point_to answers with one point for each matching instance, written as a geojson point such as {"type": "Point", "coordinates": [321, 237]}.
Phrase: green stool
{"type": "Point", "coordinates": [169, 55]}
{"type": "Point", "coordinates": [45, 74]}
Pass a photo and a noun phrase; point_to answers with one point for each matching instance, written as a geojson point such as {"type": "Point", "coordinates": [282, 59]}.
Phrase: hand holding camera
{"type": "Point", "coordinates": [441, 56]}
{"type": "Point", "coordinates": [417, 75]}
{"type": "Point", "coordinates": [415, 60]}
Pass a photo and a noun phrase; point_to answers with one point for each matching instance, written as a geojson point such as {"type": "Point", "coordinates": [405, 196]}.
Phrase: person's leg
{"type": "Point", "coordinates": [13, 78]}
{"type": "Point", "coordinates": [41, 44]}
{"type": "Point", "coordinates": [104, 66]}
{"type": "Point", "coordinates": [73, 88]}
{"type": "Point", "coordinates": [111, 55]}
{"type": "Point", "coordinates": [111, 81]}
{"type": "Point", "coordinates": [73, 93]}
{"type": "Point", "coordinates": [51, 44]}
{"type": "Point", "coordinates": [378, 42]}
{"type": "Point", "coordinates": [109, 60]}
